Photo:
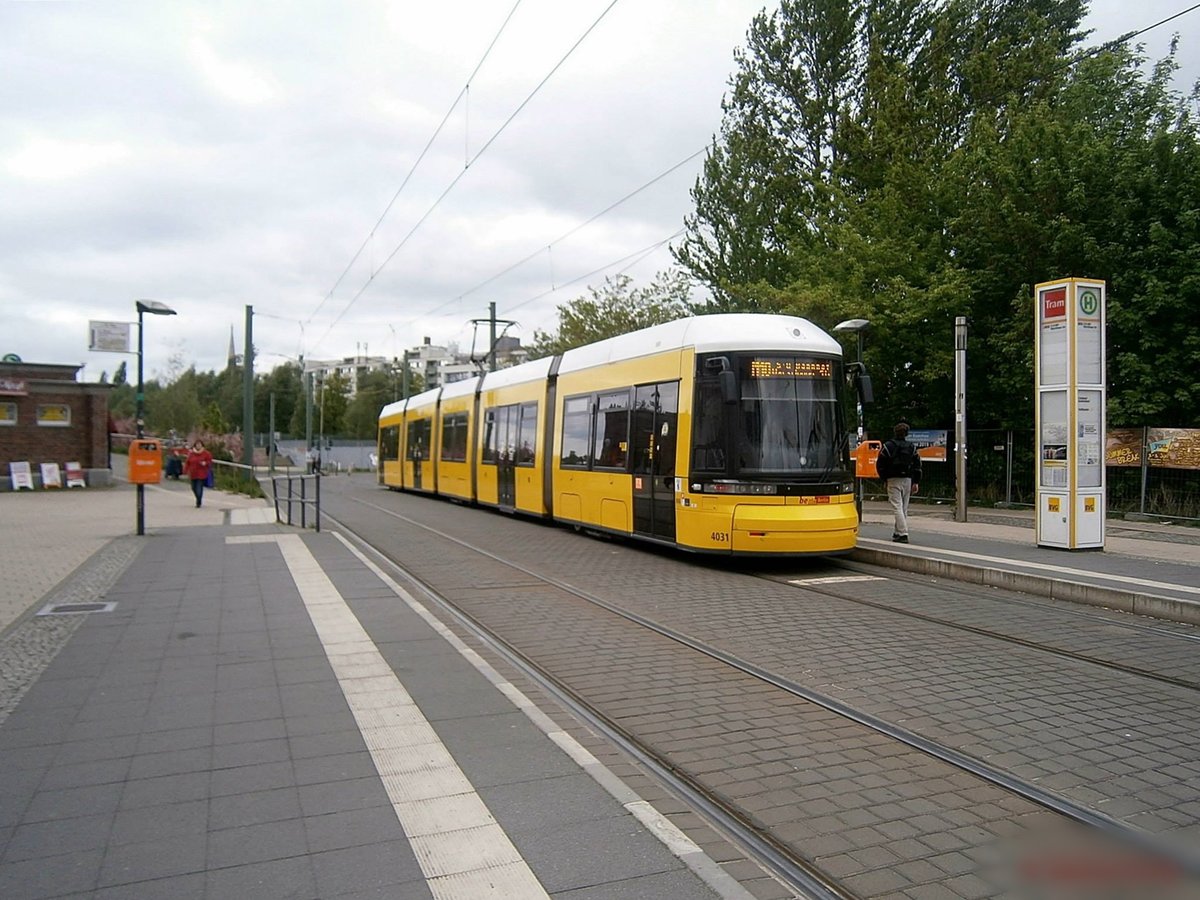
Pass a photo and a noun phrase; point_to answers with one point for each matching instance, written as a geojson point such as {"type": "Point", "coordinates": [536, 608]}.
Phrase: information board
{"type": "Point", "coordinates": [1069, 355]}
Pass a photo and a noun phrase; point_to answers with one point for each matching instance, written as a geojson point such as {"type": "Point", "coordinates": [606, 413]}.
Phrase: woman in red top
{"type": "Point", "coordinates": [198, 465]}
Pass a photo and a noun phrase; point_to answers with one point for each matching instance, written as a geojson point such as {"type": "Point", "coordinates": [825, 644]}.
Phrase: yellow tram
{"type": "Point", "coordinates": [718, 434]}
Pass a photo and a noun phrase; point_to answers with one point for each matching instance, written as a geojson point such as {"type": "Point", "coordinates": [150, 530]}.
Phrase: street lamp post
{"type": "Point", "coordinates": [862, 393]}
{"type": "Point", "coordinates": [156, 309]}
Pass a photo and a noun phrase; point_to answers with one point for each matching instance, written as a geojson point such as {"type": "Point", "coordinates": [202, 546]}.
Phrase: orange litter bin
{"type": "Point", "coordinates": [145, 462]}
{"type": "Point", "coordinates": [865, 455]}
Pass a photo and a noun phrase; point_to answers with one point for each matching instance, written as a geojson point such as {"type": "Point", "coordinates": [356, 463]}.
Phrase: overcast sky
{"type": "Point", "coordinates": [211, 155]}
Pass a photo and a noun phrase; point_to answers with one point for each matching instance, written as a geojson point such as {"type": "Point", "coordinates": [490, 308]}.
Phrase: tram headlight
{"type": "Point", "coordinates": [848, 487]}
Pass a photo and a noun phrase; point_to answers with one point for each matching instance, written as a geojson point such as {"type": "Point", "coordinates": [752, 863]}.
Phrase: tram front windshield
{"type": "Point", "coordinates": [786, 423]}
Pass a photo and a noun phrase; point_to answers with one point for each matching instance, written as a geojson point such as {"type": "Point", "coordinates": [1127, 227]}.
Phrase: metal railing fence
{"type": "Point", "coordinates": [1000, 470]}
{"type": "Point", "coordinates": [300, 493]}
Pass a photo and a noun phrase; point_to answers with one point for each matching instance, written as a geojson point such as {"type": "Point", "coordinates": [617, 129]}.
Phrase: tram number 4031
{"type": "Point", "coordinates": [720, 537]}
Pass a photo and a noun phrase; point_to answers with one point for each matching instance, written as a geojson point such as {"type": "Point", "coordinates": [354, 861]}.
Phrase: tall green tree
{"type": "Point", "coordinates": [282, 382]}
{"type": "Point", "coordinates": [909, 161]}
{"type": "Point", "coordinates": [375, 389]}
{"type": "Point", "coordinates": [329, 405]}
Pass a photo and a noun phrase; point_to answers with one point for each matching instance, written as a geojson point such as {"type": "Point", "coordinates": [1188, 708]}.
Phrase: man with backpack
{"type": "Point", "coordinates": [899, 466]}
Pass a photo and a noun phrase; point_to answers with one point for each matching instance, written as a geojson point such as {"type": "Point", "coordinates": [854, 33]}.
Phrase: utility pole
{"type": "Point", "coordinates": [960, 418]}
{"type": "Point", "coordinates": [248, 391]}
{"type": "Point", "coordinates": [308, 403]}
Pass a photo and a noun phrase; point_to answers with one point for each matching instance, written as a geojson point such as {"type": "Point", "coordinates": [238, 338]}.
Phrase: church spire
{"type": "Point", "coordinates": [232, 360]}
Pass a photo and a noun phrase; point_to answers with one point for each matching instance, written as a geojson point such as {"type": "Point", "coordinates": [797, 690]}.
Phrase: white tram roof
{"type": "Point", "coordinates": [729, 332]}
{"type": "Point", "coordinates": [534, 370]}
{"type": "Point", "coordinates": [464, 387]}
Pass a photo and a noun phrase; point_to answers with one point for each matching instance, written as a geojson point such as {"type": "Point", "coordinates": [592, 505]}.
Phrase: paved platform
{"type": "Point", "coordinates": [257, 712]}
{"type": "Point", "coordinates": [260, 713]}
{"type": "Point", "coordinates": [1145, 568]}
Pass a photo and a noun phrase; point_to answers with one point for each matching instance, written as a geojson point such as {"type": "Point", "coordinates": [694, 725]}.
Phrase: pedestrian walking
{"type": "Point", "coordinates": [199, 468]}
{"type": "Point", "coordinates": [314, 460]}
{"type": "Point", "coordinates": [899, 465]}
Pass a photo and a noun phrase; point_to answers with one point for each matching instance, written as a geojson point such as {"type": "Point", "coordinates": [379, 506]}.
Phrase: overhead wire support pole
{"type": "Point", "coordinates": [494, 339]}
{"type": "Point", "coordinates": [248, 391]}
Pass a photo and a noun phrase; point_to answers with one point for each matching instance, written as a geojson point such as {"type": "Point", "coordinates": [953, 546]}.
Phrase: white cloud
{"type": "Point", "coordinates": [234, 80]}
{"type": "Point", "coordinates": [213, 154]}
{"type": "Point", "coordinates": [54, 159]}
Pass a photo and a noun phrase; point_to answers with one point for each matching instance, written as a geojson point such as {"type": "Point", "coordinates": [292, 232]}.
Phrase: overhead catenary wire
{"type": "Point", "coordinates": [468, 160]}
{"type": "Point", "coordinates": [487, 144]}
{"type": "Point", "coordinates": [549, 247]}
{"type": "Point", "coordinates": [1129, 36]}
{"type": "Point", "coordinates": [462, 94]}
{"type": "Point", "coordinates": [582, 225]}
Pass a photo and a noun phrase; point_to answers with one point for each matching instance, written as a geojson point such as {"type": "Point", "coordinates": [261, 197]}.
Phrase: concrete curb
{"type": "Point", "coordinates": [1167, 608]}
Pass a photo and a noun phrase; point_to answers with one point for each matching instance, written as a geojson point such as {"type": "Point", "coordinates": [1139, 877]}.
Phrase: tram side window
{"type": "Point", "coordinates": [708, 432]}
{"type": "Point", "coordinates": [389, 442]}
{"type": "Point", "coordinates": [527, 434]}
{"type": "Point", "coordinates": [611, 448]}
{"type": "Point", "coordinates": [499, 434]}
{"type": "Point", "coordinates": [489, 437]}
{"type": "Point", "coordinates": [454, 437]}
{"type": "Point", "coordinates": [577, 423]}
{"type": "Point", "coordinates": [418, 438]}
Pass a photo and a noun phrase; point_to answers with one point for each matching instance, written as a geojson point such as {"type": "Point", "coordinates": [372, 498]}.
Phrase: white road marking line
{"type": "Point", "coordinates": [462, 850]}
{"type": "Point", "coordinates": [1046, 567]}
{"type": "Point", "coordinates": [655, 822]}
{"type": "Point", "coordinates": [835, 579]}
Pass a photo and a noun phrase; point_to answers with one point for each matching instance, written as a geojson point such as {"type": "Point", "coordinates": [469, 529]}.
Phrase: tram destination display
{"type": "Point", "coordinates": [791, 368]}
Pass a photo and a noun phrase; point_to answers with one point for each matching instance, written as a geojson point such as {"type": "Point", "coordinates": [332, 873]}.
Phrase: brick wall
{"type": "Point", "coordinates": [84, 440]}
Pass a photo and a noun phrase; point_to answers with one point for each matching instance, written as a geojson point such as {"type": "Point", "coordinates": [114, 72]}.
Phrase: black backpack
{"type": "Point", "coordinates": [896, 459]}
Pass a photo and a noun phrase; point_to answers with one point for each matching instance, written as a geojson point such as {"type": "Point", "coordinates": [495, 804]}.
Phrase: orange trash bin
{"type": "Point", "coordinates": [865, 455]}
{"type": "Point", "coordinates": [145, 462]}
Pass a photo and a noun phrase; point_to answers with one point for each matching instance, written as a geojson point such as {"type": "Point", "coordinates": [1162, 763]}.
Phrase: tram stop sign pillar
{"type": "Point", "coordinates": [1070, 376]}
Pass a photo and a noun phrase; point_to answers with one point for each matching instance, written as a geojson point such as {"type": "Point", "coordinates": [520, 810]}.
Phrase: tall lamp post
{"type": "Point", "coordinates": [156, 309]}
{"type": "Point", "coordinates": [862, 392]}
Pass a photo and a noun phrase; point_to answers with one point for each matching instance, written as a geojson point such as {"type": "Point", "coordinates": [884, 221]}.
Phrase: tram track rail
{"type": "Point", "coordinates": [846, 596]}
{"type": "Point", "coordinates": [714, 808]}
{"type": "Point", "coordinates": [799, 875]}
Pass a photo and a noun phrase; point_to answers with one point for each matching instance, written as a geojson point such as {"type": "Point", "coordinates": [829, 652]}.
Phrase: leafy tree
{"type": "Point", "coordinates": [616, 308]}
{"type": "Point", "coordinates": [120, 376]}
{"type": "Point", "coordinates": [122, 401]}
{"type": "Point", "coordinates": [375, 389]}
{"type": "Point", "coordinates": [329, 405]}
{"type": "Point", "coordinates": [213, 421]}
{"type": "Point", "coordinates": [284, 382]}
{"type": "Point", "coordinates": [177, 406]}
{"type": "Point", "coordinates": [909, 161]}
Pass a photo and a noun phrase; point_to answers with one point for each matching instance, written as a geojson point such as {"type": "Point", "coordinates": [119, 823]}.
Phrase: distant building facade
{"type": "Point", "coordinates": [437, 365]}
{"type": "Point", "coordinates": [352, 368]}
{"type": "Point", "coordinates": [445, 365]}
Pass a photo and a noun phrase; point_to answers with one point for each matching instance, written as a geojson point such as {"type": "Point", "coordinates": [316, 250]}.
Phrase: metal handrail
{"type": "Point", "coordinates": [290, 500]}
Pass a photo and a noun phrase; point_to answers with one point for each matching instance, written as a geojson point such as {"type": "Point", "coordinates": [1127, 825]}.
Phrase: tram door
{"type": "Point", "coordinates": [655, 421]}
{"type": "Point", "coordinates": [499, 448]}
{"type": "Point", "coordinates": [418, 449]}
{"type": "Point", "coordinates": [506, 468]}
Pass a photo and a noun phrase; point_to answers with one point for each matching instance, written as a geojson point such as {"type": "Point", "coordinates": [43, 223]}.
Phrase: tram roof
{"type": "Point", "coordinates": [728, 332]}
{"type": "Point", "coordinates": [708, 334]}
